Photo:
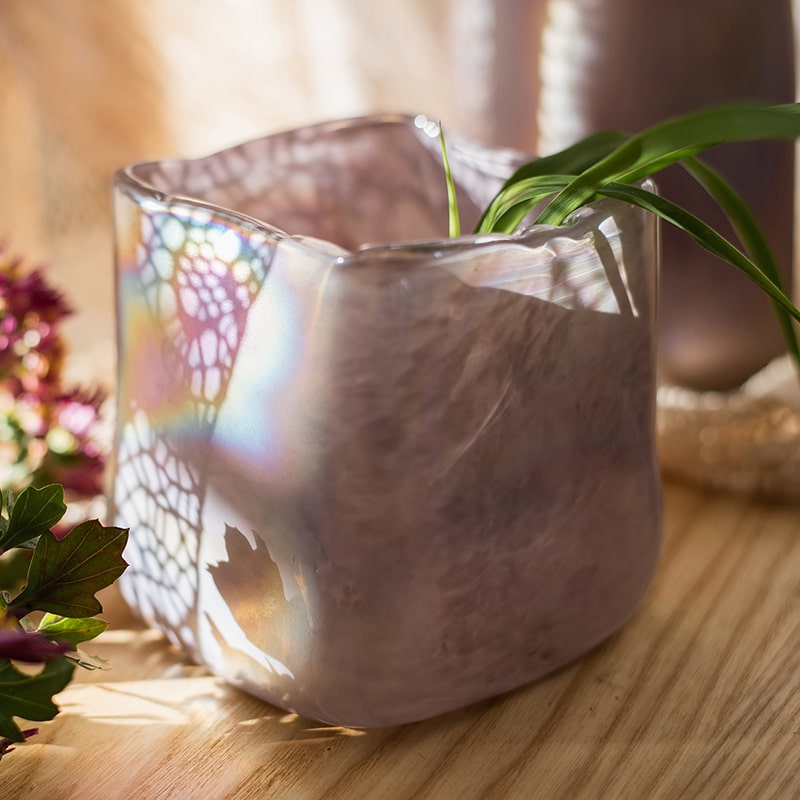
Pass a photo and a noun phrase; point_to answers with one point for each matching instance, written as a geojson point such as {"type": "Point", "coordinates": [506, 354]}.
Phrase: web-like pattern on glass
{"type": "Point", "coordinates": [196, 278]}
{"type": "Point", "coordinates": [376, 485]}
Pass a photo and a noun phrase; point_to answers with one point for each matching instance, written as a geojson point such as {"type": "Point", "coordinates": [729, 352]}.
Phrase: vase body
{"type": "Point", "coordinates": [373, 483]}
{"type": "Point", "coordinates": [541, 74]}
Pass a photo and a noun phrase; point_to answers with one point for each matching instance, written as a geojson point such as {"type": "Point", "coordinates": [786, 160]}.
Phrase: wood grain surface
{"type": "Point", "coordinates": [697, 697]}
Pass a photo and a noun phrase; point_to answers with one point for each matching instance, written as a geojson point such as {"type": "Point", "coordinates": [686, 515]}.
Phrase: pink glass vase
{"type": "Point", "coordinates": [541, 74]}
{"type": "Point", "coordinates": [371, 483]}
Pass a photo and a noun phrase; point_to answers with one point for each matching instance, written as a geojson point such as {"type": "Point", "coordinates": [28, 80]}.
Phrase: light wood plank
{"type": "Point", "coordinates": [697, 697]}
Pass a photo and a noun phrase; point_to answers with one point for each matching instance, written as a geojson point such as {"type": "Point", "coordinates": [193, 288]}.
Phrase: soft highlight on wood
{"type": "Point", "coordinates": [697, 697]}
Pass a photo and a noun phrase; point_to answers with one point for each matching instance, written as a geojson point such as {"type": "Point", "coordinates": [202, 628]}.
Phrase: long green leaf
{"type": "Point", "coordinates": [531, 191]}
{"type": "Point", "coordinates": [703, 234]}
{"type": "Point", "coordinates": [749, 233]}
{"type": "Point", "coordinates": [454, 219]}
{"type": "Point", "coordinates": [510, 206]}
{"type": "Point", "coordinates": [570, 161]}
{"type": "Point", "coordinates": [671, 141]}
{"type": "Point", "coordinates": [609, 163]}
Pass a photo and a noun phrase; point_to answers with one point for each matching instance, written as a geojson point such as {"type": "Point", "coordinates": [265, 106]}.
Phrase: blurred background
{"type": "Point", "coordinates": [87, 86]}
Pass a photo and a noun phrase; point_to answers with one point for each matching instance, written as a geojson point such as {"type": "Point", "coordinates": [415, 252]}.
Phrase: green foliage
{"type": "Point", "coordinates": [452, 201]}
{"type": "Point", "coordinates": [751, 237]}
{"type": "Point", "coordinates": [611, 164]}
{"type": "Point", "coordinates": [14, 569]}
{"type": "Point", "coordinates": [61, 577]}
{"type": "Point", "coordinates": [64, 575]}
{"type": "Point", "coordinates": [67, 629]}
{"type": "Point", "coordinates": [670, 142]}
{"type": "Point", "coordinates": [30, 696]}
{"type": "Point", "coordinates": [32, 514]}
{"type": "Point", "coordinates": [571, 161]}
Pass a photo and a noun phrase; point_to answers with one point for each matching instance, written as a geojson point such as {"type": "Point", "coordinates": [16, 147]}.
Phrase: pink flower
{"type": "Point", "coordinates": [46, 434]}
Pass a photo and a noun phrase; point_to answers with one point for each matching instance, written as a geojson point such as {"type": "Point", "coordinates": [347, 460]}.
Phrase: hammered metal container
{"type": "Point", "coordinates": [373, 483]}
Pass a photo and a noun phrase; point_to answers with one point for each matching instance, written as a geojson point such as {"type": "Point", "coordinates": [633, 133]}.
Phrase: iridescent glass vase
{"type": "Point", "coordinates": [373, 474]}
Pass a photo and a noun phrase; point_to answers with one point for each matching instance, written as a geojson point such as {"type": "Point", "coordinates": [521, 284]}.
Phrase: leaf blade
{"type": "Point", "coordinates": [453, 218]}
{"type": "Point", "coordinates": [71, 630]}
{"type": "Point", "coordinates": [703, 234]}
{"type": "Point", "coordinates": [671, 141]}
{"type": "Point", "coordinates": [34, 512]}
{"type": "Point", "coordinates": [531, 189]}
{"type": "Point", "coordinates": [65, 574]}
{"type": "Point", "coordinates": [30, 696]}
{"type": "Point", "coordinates": [749, 233]}
{"type": "Point", "coordinates": [571, 161]}
{"type": "Point", "coordinates": [509, 207]}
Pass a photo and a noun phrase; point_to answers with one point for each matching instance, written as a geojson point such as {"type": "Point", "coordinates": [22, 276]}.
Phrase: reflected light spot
{"type": "Point", "coordinates": [427, 126]}
{"type": "Point", "coordinates": [251, 723]}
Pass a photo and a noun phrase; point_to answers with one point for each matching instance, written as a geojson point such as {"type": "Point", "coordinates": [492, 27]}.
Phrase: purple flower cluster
{"type": "Point", "coordinates": [46, 432]}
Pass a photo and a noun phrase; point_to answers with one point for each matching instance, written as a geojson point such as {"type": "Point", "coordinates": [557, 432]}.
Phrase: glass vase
{"type": "Point", "coordinates": [373, 474]}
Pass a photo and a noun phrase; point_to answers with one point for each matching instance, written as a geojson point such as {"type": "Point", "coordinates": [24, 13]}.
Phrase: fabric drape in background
{"type": "Point", "coordinates": [87, 86]}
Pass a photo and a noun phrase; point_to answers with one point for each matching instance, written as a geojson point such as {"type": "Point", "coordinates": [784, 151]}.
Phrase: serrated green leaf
{"type": "Point", "coordinates": [33, 512]}
{"type": "Point", "coordinates": [69, 629]}
{"type": "Point", "coordinates": [65, 575]}
{"type": "Point", "coordinates": [30, 696]}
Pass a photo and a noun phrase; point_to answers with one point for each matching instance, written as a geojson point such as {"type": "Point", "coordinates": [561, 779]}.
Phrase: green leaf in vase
{"type": "Point", "coordinates": [670, 142]}
{"type": "Point", "coordinates": [452, 200]}
{"type": "Point", "coordinates": [14, 569]}
{"type": "Point", "coordinates": [751, 237]}
{"type": "Point", "coordinates": [611, 163]}
{"type": "Point", "coordinates": [570, 161]}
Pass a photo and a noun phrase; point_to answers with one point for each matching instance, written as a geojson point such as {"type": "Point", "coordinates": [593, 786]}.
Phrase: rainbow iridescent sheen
{"type": "Point", "coordinates": [371, 483]}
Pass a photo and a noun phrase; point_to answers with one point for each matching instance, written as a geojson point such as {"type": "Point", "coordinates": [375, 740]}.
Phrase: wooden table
{"type": "Point", "coordinates": [697, 697]}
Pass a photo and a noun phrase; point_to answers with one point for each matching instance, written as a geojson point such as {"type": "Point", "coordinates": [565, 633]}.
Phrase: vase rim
{"type": "Point", "coordinates": [129, 180]}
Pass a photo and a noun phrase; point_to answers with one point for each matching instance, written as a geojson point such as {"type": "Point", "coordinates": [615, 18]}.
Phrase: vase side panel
{"type": "Point", "coordinates": [435, 446]}
{"type": "Point", "coordinates": [498, 489]}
